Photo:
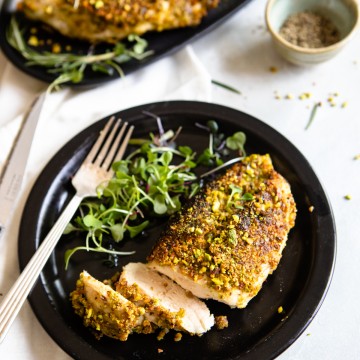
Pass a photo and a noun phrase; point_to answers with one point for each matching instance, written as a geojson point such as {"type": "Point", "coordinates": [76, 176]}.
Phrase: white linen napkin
{"type": "Point", "coordinates": [67, 112]}
{"type": "Point", "coordinates": [177, 77]}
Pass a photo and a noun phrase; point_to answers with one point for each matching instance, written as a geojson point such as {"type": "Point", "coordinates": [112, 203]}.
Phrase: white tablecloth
{"type": "Point", "coordinates": [238, 53]}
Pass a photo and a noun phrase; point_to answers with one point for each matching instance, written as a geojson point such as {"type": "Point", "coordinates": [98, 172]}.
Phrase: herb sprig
{"type": "Point", "coordinates": [71, 67]}
{"type": "Point", "coordinates": [152, 181]}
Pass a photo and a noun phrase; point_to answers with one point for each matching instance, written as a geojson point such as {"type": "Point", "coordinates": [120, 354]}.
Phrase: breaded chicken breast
{"type": "Point", "coordinates": [225, 243]}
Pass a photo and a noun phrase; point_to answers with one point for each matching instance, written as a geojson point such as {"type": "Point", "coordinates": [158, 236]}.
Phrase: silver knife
{"type": "Point", "coordinates": [13, 173]}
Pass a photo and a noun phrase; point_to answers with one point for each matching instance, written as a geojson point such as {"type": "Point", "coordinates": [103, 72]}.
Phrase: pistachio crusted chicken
{"type": "Point", "coordinates": [113, 20]}
{"type": "Point", "coordinates": [225, 243]}
{"type": "Point", "coordinates": [222, 245]}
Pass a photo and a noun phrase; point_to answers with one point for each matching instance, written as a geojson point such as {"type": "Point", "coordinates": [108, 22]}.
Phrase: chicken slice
{"type": "Point", "coordinates": [113, 20]}
{"type": "Point", "coordinates": [166, 304]}
{"type": "Point", "coordinates": [107, 311]}
{"type": "Point", "coordinates": [225, 243]}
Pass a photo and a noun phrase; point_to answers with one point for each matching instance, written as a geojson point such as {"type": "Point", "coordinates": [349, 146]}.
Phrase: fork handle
{"type": "Point", "coordinates": [16, 296]}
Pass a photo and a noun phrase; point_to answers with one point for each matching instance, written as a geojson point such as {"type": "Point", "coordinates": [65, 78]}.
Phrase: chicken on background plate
{"type": "Point", "coordinates": [113, 20]}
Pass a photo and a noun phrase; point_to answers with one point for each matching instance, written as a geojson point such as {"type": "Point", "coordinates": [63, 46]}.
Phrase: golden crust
{"type": "Point", "coordinates": [225, 239]}
{"type": "Point", "coordinates": [184, 12]}
{"type": "Point", "coordinates": [112, 20]}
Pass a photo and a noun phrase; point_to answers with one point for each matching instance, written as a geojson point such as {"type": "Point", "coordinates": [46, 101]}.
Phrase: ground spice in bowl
{"type": "Point", "coordinates": [309, 30]}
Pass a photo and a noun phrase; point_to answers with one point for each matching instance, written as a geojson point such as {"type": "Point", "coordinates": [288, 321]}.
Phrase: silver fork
{"type": "Point", "coordinates": [95, 169]}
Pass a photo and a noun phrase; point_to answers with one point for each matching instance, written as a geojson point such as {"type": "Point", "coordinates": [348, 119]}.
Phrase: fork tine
{"type": "Point", "coordinates": [124, 144]}
{"type": "Point", "coordinates": [103, 133]}
{"type": "Point", "coordinates": [107, 145]}
{"type": "Point", "coordinates": [110, 157]}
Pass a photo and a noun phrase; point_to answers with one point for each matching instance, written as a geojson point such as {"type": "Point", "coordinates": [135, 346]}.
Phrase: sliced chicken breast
{"type": "Point", "coordinates": [107, 311]}
{"type": "Point", "coordinates": [166, 304]}
{"type": "Point", "coordinates": [225, 243]}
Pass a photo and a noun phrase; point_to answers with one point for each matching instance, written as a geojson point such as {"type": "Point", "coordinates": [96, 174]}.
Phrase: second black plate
{"type": "Point", "coordinates": [299, 284]}
{"type": "Point", "coordinates": [162, 43]}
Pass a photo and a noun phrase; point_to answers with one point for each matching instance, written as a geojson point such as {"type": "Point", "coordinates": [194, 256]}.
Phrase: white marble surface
{"type": "Point", "coordinates": [238, 53]}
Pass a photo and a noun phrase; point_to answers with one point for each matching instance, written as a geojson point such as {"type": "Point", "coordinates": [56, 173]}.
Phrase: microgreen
{"type": "Point", "coordinates": [70, 68]}
{"type": "Point", "coordinates": [150, 182]}
{"type": "Point", "coordinates": [236, 197]}
{"type": "Point", "coordinates": [212, 155]}
{"type": "Point", "coordinates": [237, 142]}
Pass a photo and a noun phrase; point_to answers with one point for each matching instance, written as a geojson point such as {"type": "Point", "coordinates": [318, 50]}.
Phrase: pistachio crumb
{"type": "Point", "coordinates": [56, 48]}
{"type": "Point", "coordinates": [347, 197]}
{"type": "Point", "coordinates": [221, 322]}
{"type": "Point", "coordinates": [33, 41]}
{"type": "Point", "coordinates": [99, 4]}
{"type": "Point", "coordinates": [357, 157]}
{"type": "Point", "coordinates": [177, 337]}
{"type": "Point", "coordinates": [49, 10]}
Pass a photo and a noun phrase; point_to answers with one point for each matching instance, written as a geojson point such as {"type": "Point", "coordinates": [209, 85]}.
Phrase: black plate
{"type": "Point", "coordinates": [162, 43]}
{"type": "Point", "coordinates": [299, 284]}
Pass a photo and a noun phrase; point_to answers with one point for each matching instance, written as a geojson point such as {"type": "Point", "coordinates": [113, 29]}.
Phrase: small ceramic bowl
{"type": "Point", "coordinates": [344, 14]}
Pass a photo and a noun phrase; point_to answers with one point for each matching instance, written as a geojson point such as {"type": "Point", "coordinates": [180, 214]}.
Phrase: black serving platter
{"type": "Point", "coordinates": [161, 43]}
{"type": "Point", "coordinates": [299, 284]}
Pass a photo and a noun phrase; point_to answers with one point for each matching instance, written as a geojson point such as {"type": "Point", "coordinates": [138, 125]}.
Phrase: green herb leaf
{"type": "Point", "coordinates": [117, 232]}
{"type": "Point", "coordinates": [312, 115]}
{"type": "Point", "coordinates": [227, 87]}
{"type": "Point", "coordinates": [136, 230]}
{"type": "Point", "coordinates": [159, 204]}
{"type": "Point", "coordinates": [92, 222]}
{"type": "Point", "coordinates": [247, 197]}
{"type": "Point", "coordinates": [213, 126]}
{"type": "Point", "coordinates": [237, 142]}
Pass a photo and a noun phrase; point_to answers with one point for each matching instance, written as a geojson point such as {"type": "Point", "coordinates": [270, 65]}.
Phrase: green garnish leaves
{"type": "Point", "coordinates": [247, 197]}
{"type": "Point", "coordinates": [91, 221]}
{"type": "Point", "coordinates": [213, 126]}
{"type": "Point", "coordinates": [236, 197]}
{"type": "Point", "coordinates": [117, 232]}
{"type": "Point", "coordinates": [137, 229]}
{"type": "Point", "coordinates": [70, 67]}
{"type": "Point", "coordinates": [237, 142]}
{"type": "Point", "coordinates": [159, 204]}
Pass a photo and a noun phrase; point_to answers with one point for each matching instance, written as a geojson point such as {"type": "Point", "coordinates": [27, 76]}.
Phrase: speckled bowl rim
{"type": "Point", "coordinates": [303, 50]}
